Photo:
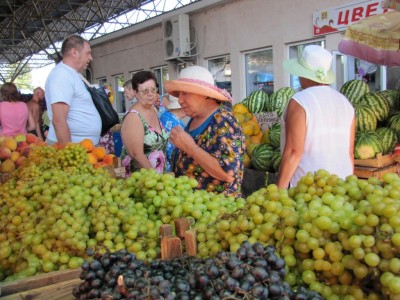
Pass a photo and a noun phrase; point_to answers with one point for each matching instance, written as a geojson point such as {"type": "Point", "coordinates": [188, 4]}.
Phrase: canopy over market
{"type": "Point", "coordinates": [31, 30]}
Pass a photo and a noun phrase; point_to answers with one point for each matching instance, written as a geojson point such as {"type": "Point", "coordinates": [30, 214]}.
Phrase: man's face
{"type": "Point", "coordinates": [84, 57]}
{"type": "Point", "coordinates": [129, 93]}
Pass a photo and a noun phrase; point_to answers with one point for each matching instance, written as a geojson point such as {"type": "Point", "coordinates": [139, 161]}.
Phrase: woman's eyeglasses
{"type": "Point", "coordinates": [148, 91]}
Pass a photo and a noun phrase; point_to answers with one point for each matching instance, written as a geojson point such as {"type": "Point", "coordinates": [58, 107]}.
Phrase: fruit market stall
{"type": "Point", "coordinates": [61, 209]}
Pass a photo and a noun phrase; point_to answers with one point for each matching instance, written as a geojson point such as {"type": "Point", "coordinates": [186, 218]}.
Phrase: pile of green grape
{"type": "Point", "coordinates": [339, 237]}
{"type": "Point", "coordinates": [57, 206]}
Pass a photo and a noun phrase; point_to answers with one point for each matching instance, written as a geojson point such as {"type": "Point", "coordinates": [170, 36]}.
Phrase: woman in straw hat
{"type": "Point", "coordinates": [318, 126]}
{"type": "Point", "coordinates": [171, 117]}
{"type": "Point", "coordinates": [143, 136]}
{"type": "Point", "coordinates": [211, 148]}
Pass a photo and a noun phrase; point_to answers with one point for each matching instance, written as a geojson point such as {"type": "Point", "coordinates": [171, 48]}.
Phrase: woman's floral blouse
{"type": "Point", "coordinates": [154, 148]}
{"type": "Point", "coordinates": [223, 138]}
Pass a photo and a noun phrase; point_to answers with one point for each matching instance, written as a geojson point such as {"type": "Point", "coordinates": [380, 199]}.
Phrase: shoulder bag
{"type": "Point", "coordinates": [109, 116]}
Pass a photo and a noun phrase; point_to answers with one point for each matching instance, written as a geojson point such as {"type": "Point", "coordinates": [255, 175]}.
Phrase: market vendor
{"type": "Point", "coordinates": [211, 149]}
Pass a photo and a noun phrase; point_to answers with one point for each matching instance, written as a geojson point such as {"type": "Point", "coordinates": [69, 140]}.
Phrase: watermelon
{"type": "Point", "coordinates": [257, 101]}
{"type": "Point", "coordinates": [365, 118]}
{"type": "Point", "coordinates": [394, 122]}
{"type": "Point", "coordinates": [279, 100]}
{"type": "Point", "coordinates": [245, 102]}
{"type": "Point", "coordinates": [274, 134]}
{"type": "Point", "coordinates": [261, 158]}
{"type": "Point", "coordinates": [378, 103]}
{"type": "Point", "coordinates": [388, 138]}
{"type": "Point", "coordinates": [393, 97]}
{"type": "Point", "coordinates": [276, 160]}
{"type": "Point", "coordinates": [367, 145]}
{"type": "Point", "coordinates": [354, 90]}
{"type": "Point", "coordinates": [250, 148]}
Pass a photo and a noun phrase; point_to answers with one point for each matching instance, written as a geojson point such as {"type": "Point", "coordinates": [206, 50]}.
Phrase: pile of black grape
{"type": "Point", "coordinates": [254, 272]}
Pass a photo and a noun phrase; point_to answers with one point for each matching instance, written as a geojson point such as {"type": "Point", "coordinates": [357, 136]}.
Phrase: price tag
{"type": "Point", "coordinates": [267, 119]}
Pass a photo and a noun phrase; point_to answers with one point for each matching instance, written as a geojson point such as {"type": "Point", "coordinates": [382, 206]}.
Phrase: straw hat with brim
{"type": "Point", "coordinates": [196, 80]}
{"type": "Point", "coordinates": [314, 63]}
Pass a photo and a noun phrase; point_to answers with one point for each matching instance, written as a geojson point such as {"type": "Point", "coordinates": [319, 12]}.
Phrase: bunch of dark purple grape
{"type": "Point", "coordinates": [254, 272]}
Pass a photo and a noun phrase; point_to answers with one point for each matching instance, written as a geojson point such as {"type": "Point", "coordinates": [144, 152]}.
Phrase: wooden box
{"type": "Point", "coordinates": [56, 285]}
{"type": "Point", "coordinates": [367, 172]}
{"type": "Point", "coordinates": [377, 162]}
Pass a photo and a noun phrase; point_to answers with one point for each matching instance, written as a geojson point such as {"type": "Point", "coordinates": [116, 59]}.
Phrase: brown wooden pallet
{"type": "Point", "coordinates": [377, 162]}
{"type": "Point", "coordinates": [53, 285]}
{"type": "Point", "coordinates": [367, 172]}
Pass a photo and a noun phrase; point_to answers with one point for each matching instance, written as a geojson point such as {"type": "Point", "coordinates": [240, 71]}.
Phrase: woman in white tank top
{"type": "Point", "coordinates": [318, 126]}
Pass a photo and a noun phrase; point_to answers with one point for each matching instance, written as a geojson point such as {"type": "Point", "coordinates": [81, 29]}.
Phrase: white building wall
{"type": "Point", "coordinates": [226, 27]}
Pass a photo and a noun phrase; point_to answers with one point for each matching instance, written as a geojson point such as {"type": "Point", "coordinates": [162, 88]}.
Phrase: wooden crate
{"type": "Point", "coordinates": [367, 172]}
{"type": "Point", "coordinates": [56, 285]}
{"type": "Point", "coordinates": [377, 162]}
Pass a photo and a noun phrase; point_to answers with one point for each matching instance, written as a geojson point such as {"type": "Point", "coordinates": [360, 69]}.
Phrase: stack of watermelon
{"type": "Point", "coordinates": [259, 101]}
{"type": "Point", "coordinates": [377, 118]}
{"type": "Point", "coordinates": [266, 156]}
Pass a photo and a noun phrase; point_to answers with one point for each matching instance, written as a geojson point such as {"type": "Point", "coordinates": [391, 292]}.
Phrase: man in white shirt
{"type": "Point", "coordinates": [73, 116]}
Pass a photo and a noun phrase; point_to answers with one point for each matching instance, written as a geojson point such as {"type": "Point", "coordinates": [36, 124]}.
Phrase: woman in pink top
{"type": "Point", "coordinates": [14, 114]}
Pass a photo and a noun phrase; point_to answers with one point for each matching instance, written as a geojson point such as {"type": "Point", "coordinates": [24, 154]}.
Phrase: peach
{"type": "Point", "coordinates": [87, 144]}
{"type": "Point", "coordinates": [100, 164]}
{"type": "Point", "coordinates": [5, 153]}
{"type": "Point", "coordinates": [25, 151]}
{"type": "Point", "coordinates": [99, 152]}
{"type": "Point", "coordinates": [9, 143]}
{"type": "Point", "coordinates": [39, 142]}
{"type": "Point", "coordinates": [20, 137]}
{"type": "Point", "coordinates": [31, 138]}
{"type": "Point", "coordinates": [20, 161]}
{"type": "Point", "coordinates": [109, 159]}
{"type": "Point", "coordinates": [7, 166]}
{"type": "Point", "coordinates": [15, 155]}
{"type": "Point", "coordinates": [21, 145]}
{"type": "Point", "coordinates": [59, 146]}
{"type": "Point", "coordinates": [92, 158]}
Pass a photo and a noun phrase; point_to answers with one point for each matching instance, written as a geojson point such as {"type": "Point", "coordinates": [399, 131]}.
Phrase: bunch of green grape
{"type": "Point", "coordinates": [339, 237]}
{"type": "Point", "coordinates": [57, 206]}
{"type": "Point", "coordinates": [164, 198]}
{"type": "Point", "coordinates": [72, 159]}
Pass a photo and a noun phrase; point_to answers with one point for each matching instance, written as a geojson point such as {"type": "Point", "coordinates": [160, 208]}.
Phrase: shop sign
{"type": "Point", "coordinates": [336, 19]}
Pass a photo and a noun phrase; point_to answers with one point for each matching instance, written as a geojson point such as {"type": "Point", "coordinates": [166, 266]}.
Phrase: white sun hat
{"type": "Point", "coordinates": [313, 63]}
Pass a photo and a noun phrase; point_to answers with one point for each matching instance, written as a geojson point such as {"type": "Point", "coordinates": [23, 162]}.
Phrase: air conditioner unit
{"type": "Point", "coordinates": [176, 37]}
